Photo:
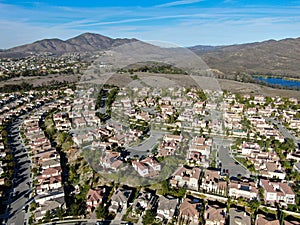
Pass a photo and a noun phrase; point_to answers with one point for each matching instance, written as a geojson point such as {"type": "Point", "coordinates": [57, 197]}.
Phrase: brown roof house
{"type": "Point", "coordinates": [277, 192]}
{"type": "Point", "coordinates": [186, 177]}
{"type": "Point", "coordinates": [214, 215]}
{"type": "Point", "coordinates": [263, 220]}
{"type": "Point", "coordinates": [94, 198]}
{"type": "Point", "coordinates": [213, 182]}
{"type": "Point", "coordinates": [245, 188]}
{"type": "Point", "coordinates": [189, 212]}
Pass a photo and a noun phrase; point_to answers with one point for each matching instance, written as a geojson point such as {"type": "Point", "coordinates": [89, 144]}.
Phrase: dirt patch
{"type": "Point", "coordinates": [42, 80]}
{"type": "Point", "coordinates": [153, 79]}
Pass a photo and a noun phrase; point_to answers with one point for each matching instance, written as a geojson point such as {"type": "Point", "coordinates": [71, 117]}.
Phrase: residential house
{"type": "Point", "coordinates": [249, 147]}
{"type": "Point", "coordinates": [49, 163]}
{"type": "Point", "coordinates": [199, 150]}
{"type": "Point", "coordinates": [147, 167]}
{"type": "Point", "coordinates": [239, 217]}
{"type": "Point", "coordinates": [50, 206]}
{"type": "Point", "coordinates": [94, 198]}
{"type": "Point", "coordinates": [111, 160]}
{"type": "Point", "coordinates": [166, 208]}
{"type": "Point", "coordinates": [50, 195]}
{"type": "Point", "coordinates": [52, 171]}
{"type": "Point", "coordinates": [144, 201]}
{"type": "Point", "coordinates": [186, 177]}
{"type": "Point", "coordinates": [264, 220]}
{"type": "Point", "coordinates": [119, 200]}
{"type": "Point", "coordinates": [244, 187]}
{"type": "Point", "coordinates": [273, 170]}
{"type": "Point", "coordinates": [213, 182]}
{"type": "Point", "coordinates": [277, 192]}
{"type": "Point", "coordinates": [214, 215]}
{"type": "Point", "coordinates": [189, 211]}
{"type": "Point", "coordinates": [46, 184]}
{"type": "Point", "coordinates": [167, 148]}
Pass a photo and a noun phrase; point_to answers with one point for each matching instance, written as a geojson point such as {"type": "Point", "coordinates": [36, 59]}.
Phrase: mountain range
{"type": "Point", "coordinates": [86, 42]}
{"type": "Point", "coordinates": [268, 57]}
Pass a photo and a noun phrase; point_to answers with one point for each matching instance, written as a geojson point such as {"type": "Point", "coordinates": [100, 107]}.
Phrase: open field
{"type": "Point", "coordinates": [204, 82]}
{"type": "Point", "coordinates": [256, 89]}
{"type": "Point", "coordinates": [41, 80]}
{"type": "Point", "coordinates": [160, 80]}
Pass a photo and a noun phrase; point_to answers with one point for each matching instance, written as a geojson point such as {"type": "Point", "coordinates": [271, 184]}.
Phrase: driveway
{"type": "Point", "coordinates": [119, 216]}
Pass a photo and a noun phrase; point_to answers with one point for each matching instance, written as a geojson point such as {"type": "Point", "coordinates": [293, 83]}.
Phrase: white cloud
{"type": "Point", "coordinates": [181, 2]}
{"type": "Point", "coordinates": [90, 23]}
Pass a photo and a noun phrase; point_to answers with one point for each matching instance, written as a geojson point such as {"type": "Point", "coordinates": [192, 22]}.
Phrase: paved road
{"type": "Point", "coordinates": [285, 132]}
{"type": "Point", "coordinates": [84, 222]}
{"type": "Point", "coordinates": [21, 186]}
{"type": "Point", "coordinates": [227, 160]}
{"type": "Point", "coordinates": [148, 144]}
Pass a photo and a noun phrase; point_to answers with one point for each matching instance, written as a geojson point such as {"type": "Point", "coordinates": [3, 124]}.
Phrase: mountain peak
{"type": "Point", "coordinates": [86, 42]}
{"type": "Point", "coordinates": [89, 35]}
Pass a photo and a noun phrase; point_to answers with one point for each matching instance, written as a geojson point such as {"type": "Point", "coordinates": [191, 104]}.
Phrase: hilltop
{"type": "Point", "coordinates": [267, 57]}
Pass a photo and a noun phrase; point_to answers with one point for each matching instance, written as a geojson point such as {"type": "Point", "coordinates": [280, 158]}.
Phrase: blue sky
{"type": "Point", "coordinates": [182, 22]}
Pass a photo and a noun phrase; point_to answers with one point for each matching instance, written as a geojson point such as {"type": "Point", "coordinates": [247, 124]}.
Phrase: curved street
{"type": "Point", "coordinates": [16, 212]}
{"type": "Point", "coordinates": [147, 145]}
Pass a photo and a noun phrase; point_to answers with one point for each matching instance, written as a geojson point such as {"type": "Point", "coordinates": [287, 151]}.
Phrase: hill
{"type": "Point", "coordinates": [86, 42]}
{"type": "Point", "coordinates": [268, 57]}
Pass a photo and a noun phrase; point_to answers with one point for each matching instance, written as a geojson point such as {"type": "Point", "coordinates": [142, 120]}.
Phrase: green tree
{"type": "Point", "coordinates": [254, 205]}
{"type": "Point", "coordinates": [164, 187]}
{"type": "Point", "coordinates": [181, 192]}
{"type": "Point", "coordinates": [60, 213]}
{"type": "Point", "coordinates": [202, 95]}
{"type": "Point", "coordinates": [101, 212]}
{"type": "Point", "coordinates": [76, 209]}
{"type": "Point", "coordinates": [148, 218]}
{"type": "Point", "coordinates": [47, 217]}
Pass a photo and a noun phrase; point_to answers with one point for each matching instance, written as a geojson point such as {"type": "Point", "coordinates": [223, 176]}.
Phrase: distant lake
{"type": "Point", "coordinates": [279, 81]}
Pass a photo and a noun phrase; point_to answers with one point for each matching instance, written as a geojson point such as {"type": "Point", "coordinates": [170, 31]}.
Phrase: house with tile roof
{"type": "Point", "coordinates": [94, 198]}
{"type": "Point", "coordinates": [144, 201]}
{"type": "Point", "coordinates": [213, 182]}
{"type": "Point", "coordinates": [277, 192]}
{"type": "Point", "coordinates": [244, 187]}
{"type": "Point", "coordinates": [186, 177]}
{"type": "Point", "coordinates": [148, 167]}
{"type": "Point", "coordinates": [189, 211]}
{"type": "Point", "coordinates": [263, 220]}
{"type": "Point", "coordinates": [166, 207]}
{"type": "Point", "coordinates": [119, 200]}
{"type": "Point", "coordinates": [214, 215]}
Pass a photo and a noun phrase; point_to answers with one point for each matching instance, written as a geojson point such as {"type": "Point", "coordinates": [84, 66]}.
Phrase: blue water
{"type": "Point", "coordinates": [279, 81]}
